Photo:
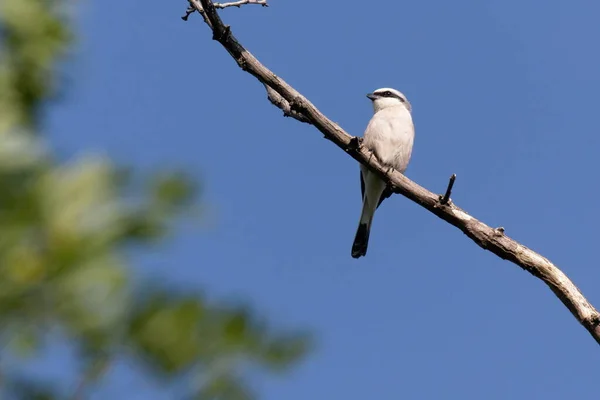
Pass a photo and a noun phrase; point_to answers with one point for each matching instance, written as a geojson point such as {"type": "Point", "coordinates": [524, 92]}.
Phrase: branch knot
{"type": "Point", "coordinates": [354, 144]}
{"type": "Point", "coordinates": [297, 104]}
{"type": "Point", "coordinates": [221, 35]}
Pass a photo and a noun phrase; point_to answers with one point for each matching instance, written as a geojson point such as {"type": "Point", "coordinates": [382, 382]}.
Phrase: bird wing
{"type": "Point", "coordinates": [387, 192]}
{"type": "Point", "coordinates": [362, 186]}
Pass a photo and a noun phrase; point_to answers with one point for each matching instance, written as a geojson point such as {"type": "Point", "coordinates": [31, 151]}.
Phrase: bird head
{"type": "Point", "coordinates": [388, 97]}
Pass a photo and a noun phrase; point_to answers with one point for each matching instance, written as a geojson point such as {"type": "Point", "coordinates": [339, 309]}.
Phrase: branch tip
{"type": "Point", "coordinates": [240, 3]}
{"type": "Point", "coordinates": [189, 11]}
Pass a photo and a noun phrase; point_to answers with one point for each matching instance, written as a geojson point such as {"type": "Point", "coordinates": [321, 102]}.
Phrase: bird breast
{"type": "Point", "coordinates": [390, 136]}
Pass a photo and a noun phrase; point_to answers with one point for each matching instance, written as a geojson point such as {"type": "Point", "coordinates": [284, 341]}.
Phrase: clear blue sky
{"type": "Point", "coordinates": [505, 95]}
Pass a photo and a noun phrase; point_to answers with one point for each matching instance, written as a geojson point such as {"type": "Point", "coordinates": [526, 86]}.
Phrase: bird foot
{"type": "Point", "coordinates": [389, 171]}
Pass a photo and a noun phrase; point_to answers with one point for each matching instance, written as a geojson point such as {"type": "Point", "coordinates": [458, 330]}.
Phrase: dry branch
{"type": "Point", "coordinates": [192, 8]}
{"type": "Point", "coordinates": [241, 3]}
{"type": "Point", "coordinates": [493, 239]}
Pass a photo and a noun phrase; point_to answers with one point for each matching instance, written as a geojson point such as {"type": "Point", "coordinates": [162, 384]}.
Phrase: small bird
{"type": "Point", "coordinates": [389, 135]}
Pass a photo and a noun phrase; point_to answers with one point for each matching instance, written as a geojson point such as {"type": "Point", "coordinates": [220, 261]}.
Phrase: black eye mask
{"type": "Point", "coordinates": [387, 93]}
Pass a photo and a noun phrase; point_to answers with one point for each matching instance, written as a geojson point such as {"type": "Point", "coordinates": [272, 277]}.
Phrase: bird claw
{"type": "Point", "coordinates": [389, 171]}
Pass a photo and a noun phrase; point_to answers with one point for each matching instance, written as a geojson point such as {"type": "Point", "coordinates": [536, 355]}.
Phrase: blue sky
{"type": "Point", "coordinates": [504, 95]}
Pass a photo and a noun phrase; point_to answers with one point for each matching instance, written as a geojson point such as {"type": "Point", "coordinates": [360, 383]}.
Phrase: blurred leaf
{"type": "Point", "coordinates": [142, 226]}
{"type": "Point", "coordinates": [93, 299]}
{"type": "Point", "coordinates": [67, 233]}
{"type": "Point", "coordinates": [19, 151]}
{"type": "Point", "coordinates": [236, 327]}
{"type": "Point", "coordinates": [166, 330]}
{"type": "Point", "coordinates": [20, 388]}
{"type": "Point", "coordinates": [80, 207]}
{"type": "Point", "coordinates": [34, 35]}
{"type": "Point", "coordinates": [172, 190]}
{"type": "Point", "coordinates": [25, 340]}
{"type": "Point", "coordinates": [224, 387]}
{"type": "Point", "coordinates": [284, 351]}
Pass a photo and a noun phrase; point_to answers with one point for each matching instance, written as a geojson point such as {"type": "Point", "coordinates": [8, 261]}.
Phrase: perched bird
{"type": "Point", "coordinates": [389, 136]}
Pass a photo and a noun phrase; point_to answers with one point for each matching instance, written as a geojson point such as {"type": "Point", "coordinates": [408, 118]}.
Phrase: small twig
{"type": "Point", "coordinates": [446, 198]}
{"type": "Point", "coordinates": [189, 11]}
{"type": "Point", "coordinates": [278, 101]}
{"type": "Point", "coordinates": [195, 6]}
{"type": "Point", "coordinates": [241, 3]}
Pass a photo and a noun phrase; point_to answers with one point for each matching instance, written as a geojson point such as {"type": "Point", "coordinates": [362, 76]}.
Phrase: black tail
{"type": "Point", "coordinates": [361, 241]}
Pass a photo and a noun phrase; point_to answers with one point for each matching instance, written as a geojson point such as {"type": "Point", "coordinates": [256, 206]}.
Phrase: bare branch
{"type": "Point", "coordinates": [189, 11]}
{"type": "Point", "coordinates": [484, 236]}
{"type": "Point", "coordinates": [241, 3]}
{"type": "Point", "coordinates": [195, 6]}
{"type": "Point", "coordinates": [275, 98]}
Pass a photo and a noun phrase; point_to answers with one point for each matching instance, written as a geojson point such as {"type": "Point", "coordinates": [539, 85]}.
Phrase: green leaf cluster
{"type": "Point", "coordinates": [65, 231]}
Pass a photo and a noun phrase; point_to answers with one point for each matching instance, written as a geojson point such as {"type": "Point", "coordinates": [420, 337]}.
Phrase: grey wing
{"type": "Point", "coordinates": [362, 186]}
{"type": "Point", "coordinates": [380, 127]}
{"type": "Point", "coordinates": [387, 192]}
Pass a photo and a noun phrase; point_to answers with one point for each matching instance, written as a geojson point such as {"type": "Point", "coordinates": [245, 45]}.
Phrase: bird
{"type": "Point", "coordinates": [389, 136]}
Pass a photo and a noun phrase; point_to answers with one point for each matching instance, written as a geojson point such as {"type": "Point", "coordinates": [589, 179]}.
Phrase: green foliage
{"type": "Point", "coordinates": [34, 34]}
{"type": "Point", "coordinates": [63, 230]}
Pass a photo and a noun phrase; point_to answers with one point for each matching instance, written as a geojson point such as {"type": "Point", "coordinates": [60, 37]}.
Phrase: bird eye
{"type": "Point", "coordinates": [387, 93]}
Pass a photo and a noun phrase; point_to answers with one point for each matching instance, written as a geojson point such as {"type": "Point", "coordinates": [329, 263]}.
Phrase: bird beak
{"type": "Point", "coordinates": [371, 96]}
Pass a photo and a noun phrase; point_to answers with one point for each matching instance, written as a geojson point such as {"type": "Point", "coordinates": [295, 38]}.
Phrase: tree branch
{"type": "Point", "coordinates": [241, 3]}
{"type": "Point", "coordinates": [192, 8]}
{"type": "Point", "coordinates": [488, 238]}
